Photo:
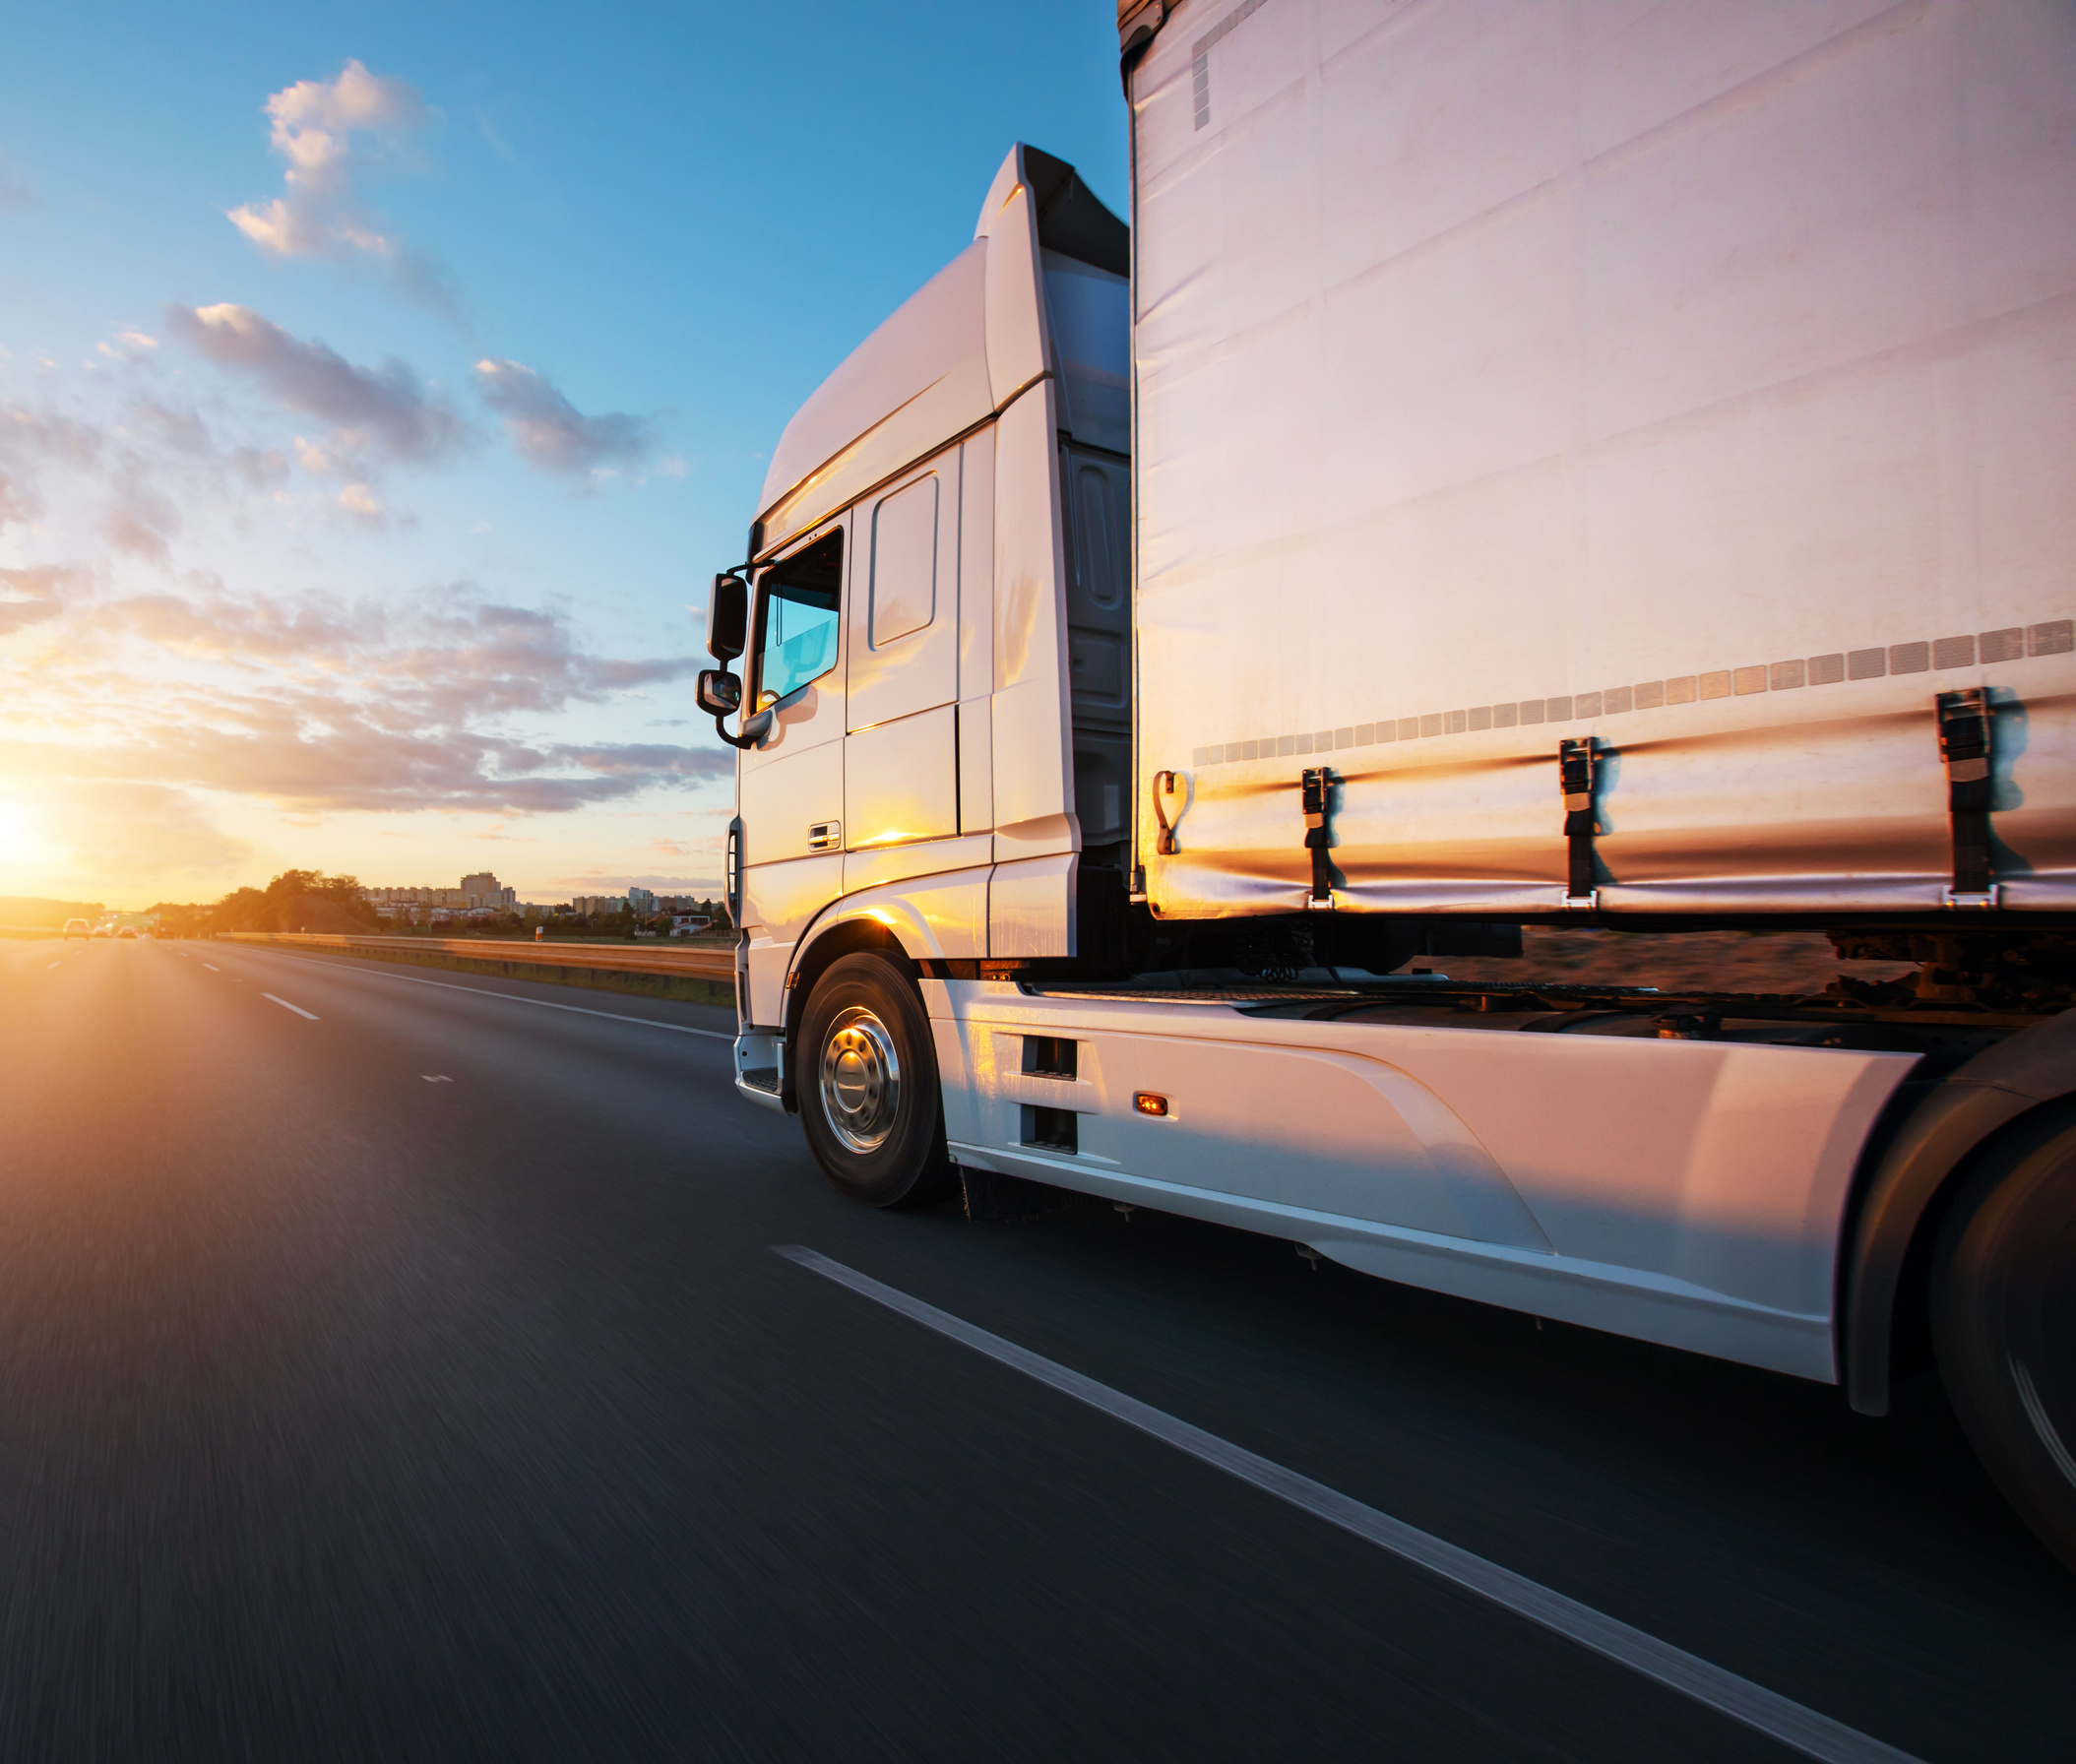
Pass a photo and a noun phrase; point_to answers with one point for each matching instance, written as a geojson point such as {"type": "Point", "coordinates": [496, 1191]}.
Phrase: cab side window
{"type": "Point", "coordinates": [904, 562]}
{"type": "Point", "coordinates": [797, 619]}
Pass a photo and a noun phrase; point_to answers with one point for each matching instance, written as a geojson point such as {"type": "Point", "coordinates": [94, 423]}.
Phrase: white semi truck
{"type": "Point", "coordinates": [1554, 463]}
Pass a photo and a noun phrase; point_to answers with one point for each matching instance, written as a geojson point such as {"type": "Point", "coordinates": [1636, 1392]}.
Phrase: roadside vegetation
{"type": "Point", "coordinates": [311, 901]}
{"type": "Point", "coordinates": [294, 901]}
{"type": "Point", "coordinates": [30, 916]}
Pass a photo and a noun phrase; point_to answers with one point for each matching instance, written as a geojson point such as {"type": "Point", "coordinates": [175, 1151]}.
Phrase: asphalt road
{"type": "Point", "coordinates": [410, 1373]}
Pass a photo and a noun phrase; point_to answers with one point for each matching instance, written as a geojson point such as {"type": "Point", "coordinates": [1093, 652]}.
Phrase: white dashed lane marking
{"type": "Point", "coordinates": [212, 968]}
{"type": "Point", "coordinates": [286, 1006]}
{"type": "Point", "coordinates": [435, 1077]}
{"type": "Point", "coordinates": [1804, 1730]}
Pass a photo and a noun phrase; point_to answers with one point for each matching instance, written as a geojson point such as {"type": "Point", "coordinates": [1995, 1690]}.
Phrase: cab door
{"type": "Point", "coordinates": [901, 768]}
{"type": "Point", "coordinates": [791, 785]}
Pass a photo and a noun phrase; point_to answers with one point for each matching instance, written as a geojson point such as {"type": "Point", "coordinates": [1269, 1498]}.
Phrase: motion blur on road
{"type": "Point", "coordinates": [397, 1364]}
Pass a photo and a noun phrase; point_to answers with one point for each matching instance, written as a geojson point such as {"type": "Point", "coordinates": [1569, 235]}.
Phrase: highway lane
{"type": "Point", "coordinates": [409, 1371]}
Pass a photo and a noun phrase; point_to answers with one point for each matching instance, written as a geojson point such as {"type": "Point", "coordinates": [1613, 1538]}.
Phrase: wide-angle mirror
{"type": "Point", "coordinates": [727, 618]}
{"type": "Point", "coordinates": [720, 692]}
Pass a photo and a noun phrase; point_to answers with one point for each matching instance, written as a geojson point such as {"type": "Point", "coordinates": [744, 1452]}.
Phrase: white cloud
{"type": "Point", "coordinates": [550, 432]}
{"type": "Point", "coordinates": [140, 520]}
{"type": "Point", "coordinates": [387, 406]}
{"type": "Point", "coordinates": [32, 442]}
{"type": "Point", "coordinates": [129, 345]}
{"type": "Point", "coordinates": [135, 472]}
{"type": "Point", "coordinates": [315, 704]}
{"type": "Point", "coordinates": [29, 596]}
{"type": "Point", "coordinates": [359, 501]}
{"type": "Point", "coordinates": [314, 123]}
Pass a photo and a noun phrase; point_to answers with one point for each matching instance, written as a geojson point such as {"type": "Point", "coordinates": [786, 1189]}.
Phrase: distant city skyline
{"type": "Point", "coordinates": [482, 892]}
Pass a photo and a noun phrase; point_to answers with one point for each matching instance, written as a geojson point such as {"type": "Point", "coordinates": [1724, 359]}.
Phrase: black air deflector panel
{"type": "Point", "coordinates": [1071, 220]}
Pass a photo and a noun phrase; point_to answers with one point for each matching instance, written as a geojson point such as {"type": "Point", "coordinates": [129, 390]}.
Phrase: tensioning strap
{"type": "Point", "coordinates": [1318, 787]}
{"type": "Point", "coordinates": [1575, 771]}
{"type": "Point", "coordinates": [1964, 745]}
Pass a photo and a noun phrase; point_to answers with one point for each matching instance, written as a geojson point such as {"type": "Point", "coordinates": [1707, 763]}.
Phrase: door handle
{"type": "Point", "coordinates": [825, 836]}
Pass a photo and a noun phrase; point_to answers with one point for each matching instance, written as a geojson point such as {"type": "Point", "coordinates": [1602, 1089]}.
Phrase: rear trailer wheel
{"type": "Point", "coordinates": [2005, 1324]}
{"type": "Point", "coordinates": [867, 1083]}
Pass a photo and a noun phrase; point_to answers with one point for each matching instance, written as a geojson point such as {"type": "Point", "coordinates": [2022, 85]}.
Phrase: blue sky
{"type": "Point", "coordinates": [360, 456]}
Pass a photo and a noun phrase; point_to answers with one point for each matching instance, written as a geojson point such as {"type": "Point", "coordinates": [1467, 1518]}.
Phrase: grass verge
{"type": "Point", "coordinates": [685, 988]}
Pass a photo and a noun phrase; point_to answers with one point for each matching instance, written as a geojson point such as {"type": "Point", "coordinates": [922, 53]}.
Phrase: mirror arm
{"type": "Point", "coordinates": [754, 730]}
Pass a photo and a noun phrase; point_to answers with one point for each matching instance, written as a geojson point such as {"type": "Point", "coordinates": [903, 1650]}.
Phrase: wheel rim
{"type": "Point", "coordinates": [861, 1079]}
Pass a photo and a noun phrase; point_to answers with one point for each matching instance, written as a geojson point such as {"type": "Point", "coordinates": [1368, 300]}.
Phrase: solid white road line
{"type": "Point", "coordinates": [286, 1006]}
{"type": "Point", "coordinates": [679, 1029]}
{"type": "Point", "coordinates": [1817, 1736]}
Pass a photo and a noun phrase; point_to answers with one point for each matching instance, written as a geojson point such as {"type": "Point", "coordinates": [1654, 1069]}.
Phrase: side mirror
{"type": "Point", "coordinates": [727, 618]}
{"type": "Point", "coordinates": [720, 692]}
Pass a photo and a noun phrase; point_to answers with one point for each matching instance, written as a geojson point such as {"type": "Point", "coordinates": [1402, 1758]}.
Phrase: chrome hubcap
{"type": "Point", "coordinates": [861, 1079]}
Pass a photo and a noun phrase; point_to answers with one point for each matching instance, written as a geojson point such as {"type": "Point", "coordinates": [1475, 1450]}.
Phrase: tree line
{"type": "Point", "coordinates": [35, 912]}
{"type": "Point", "coordinates": [294, 901]}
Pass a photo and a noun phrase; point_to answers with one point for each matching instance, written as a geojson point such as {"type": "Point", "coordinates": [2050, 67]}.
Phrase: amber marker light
{"type": "Point", "coordinates": [1146, 1103]}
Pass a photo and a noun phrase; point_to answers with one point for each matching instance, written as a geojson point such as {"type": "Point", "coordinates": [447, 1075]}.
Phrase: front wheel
{"type": "Point", "coordinates": [866, 1077]}
{"type": "Point", "coordinates": [2004, 1323]}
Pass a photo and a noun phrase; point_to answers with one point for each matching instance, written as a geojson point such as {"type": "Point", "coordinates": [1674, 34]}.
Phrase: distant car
{"type": "Point", "coordinates": [126, 931]}
{"type": "Point", "coordinates": [77, 928]}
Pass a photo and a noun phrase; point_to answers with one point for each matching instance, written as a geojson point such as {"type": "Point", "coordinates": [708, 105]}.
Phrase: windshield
{"type": "Point", "coordinates": [796, 619]}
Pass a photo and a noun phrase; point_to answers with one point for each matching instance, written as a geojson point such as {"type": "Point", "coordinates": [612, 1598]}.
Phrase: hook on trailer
{"type": "Point", "coordinates": [1164, 842]}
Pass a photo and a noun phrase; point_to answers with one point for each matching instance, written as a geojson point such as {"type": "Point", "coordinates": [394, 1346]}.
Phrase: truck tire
{"type": "Point", "coordinates": [2003, 1304]}
{"type": "Point", "coordinates": [867, 1083]}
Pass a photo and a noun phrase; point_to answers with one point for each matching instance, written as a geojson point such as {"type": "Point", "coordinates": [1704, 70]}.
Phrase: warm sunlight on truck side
{"type": "Point", "coordinates": [1499, 484]}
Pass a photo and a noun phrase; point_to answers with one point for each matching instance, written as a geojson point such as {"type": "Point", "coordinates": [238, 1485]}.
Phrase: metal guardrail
{"type": "Point", "coordinates": [707, 962]}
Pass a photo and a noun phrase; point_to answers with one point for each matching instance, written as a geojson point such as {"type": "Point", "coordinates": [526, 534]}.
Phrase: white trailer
{"type": "Point", "coordinates": [1554, 462]}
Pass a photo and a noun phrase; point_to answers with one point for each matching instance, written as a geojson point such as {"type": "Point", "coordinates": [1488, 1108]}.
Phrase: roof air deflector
{"type": "Point", "coordinates": [1070, 219]}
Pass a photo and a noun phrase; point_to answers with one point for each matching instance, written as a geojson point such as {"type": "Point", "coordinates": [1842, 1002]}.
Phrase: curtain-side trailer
{"type": "Point", "coordinates": [1560, 464]}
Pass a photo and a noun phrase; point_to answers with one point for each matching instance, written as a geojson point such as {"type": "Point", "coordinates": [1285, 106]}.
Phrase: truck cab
{"type": "Point", "coordinates": [938, 638]}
